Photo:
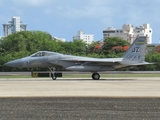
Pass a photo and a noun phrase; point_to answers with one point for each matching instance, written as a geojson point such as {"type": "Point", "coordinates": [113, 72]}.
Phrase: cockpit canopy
{"type": "Point", "coordinates": [42, 53]}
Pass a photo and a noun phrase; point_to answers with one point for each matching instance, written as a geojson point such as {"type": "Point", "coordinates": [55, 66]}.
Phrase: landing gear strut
{"type": "Point", "coordinates": [53, 73]}
{"type": "Point", "coordinates": [95, 76]}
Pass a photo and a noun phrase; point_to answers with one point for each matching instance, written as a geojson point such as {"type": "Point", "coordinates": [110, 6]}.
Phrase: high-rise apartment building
{"type": "Point", "coordinates": [129, 33]}
{"type": "Point", "coordinates": [88, 38]}
{"type": "Point", "coordinates": [15, 25]}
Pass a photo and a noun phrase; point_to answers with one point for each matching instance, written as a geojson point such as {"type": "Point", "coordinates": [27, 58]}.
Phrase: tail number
{"type": "Point", "coordinates": [136, 49]}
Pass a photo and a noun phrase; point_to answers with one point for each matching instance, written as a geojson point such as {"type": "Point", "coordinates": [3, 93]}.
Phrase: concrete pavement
{"type": "Point", "coordinates": [78, 87]}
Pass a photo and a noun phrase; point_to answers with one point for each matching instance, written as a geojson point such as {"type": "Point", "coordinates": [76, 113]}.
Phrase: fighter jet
{"type": "Point", "coordinates": [133, 57]}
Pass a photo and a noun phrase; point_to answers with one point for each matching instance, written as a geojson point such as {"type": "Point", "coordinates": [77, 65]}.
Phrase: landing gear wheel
{"type": "Point", "coordinates": [53, 73]}
{"type": "Point", "coordinates": [54, 77]}
{"type": "Point", "coordinates": [95, 76]}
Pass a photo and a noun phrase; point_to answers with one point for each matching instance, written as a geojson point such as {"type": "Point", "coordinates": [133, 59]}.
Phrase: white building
{"type": "Point", "coordinates": [15, 25]}
{"type": "Point", "coordinates": [129, 33]}
{"type": "Point", "coordinates": [59, 39]}
{"type": "Point", "coordinates": [88, 38]}
{"type": "Point", "coordinates": [1, 37]}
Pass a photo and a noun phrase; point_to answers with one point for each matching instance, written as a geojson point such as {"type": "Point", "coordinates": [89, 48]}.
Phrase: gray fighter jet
{"type": "Point", "coordinates": [133, 57]}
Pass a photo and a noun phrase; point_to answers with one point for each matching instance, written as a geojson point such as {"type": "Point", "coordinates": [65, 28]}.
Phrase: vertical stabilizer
{"type": "Point", "coordinates": [136, 52]}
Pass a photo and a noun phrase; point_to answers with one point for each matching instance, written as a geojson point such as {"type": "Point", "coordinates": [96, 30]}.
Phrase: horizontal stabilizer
{"type": "Point", "coordinates": [135, 63]}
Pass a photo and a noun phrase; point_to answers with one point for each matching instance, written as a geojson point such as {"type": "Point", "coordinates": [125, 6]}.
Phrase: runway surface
{"type": "Point", "coordinates": [82, 108]}
{"type": "Point", "coordinates": [112, 87]}
{"type": "Point", "coordinates": [80, 99]}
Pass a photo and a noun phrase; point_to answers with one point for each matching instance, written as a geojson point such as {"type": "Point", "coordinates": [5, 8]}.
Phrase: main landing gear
{"type": "Point", "coordinates": [53, 75]}
{"type": "Point", "coordinates": [95, 76]}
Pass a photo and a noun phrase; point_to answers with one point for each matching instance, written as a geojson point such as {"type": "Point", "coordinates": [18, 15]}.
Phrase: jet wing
{"type": "Point", "coordinates": [105, 61]}
{"type": "Point", "coordinates": [95, 60]}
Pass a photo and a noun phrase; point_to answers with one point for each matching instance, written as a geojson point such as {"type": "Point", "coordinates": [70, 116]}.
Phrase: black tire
{"type": "Point", "coordinates": [95, 76]}
{"type": "Point", "coordinates": [54, 76]}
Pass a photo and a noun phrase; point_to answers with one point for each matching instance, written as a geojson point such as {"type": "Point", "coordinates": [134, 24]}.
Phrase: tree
{"type": "Point", "coordinates": [80, 47]}
{"type": "Point", "coordinates": [153, 58]}
{"type": "Point", "coordinates": [114, 46]}
{"type": "Point", "coordinates": [77, 47]}
{"type": "Point", "coordinates": [24, 43]}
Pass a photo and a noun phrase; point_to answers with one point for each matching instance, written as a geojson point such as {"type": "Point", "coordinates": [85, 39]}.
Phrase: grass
{"type": "Point", "coordinates": [15, 76]}
{"type": "Point", "coordinates": [110, 75]}
{"type": "Point", "coordinates": [88, 75]}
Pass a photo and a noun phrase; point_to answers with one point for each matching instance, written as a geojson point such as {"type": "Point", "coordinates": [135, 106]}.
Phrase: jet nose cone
{"type": "Point", "coordinates": [14, 63]}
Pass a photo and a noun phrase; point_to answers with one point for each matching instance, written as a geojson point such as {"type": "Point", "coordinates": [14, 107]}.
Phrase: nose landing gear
{"type": "Point", "coordinates": [53, 75]}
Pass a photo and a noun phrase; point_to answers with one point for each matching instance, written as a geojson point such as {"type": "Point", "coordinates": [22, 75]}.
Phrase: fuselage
{"type": "Point", "coordinates": [45, 59]}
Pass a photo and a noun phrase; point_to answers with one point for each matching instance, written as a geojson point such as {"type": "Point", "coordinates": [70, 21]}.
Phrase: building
{"type": "Point", "coordinates": [129, 33]}
{"type": "Point", "coordinates": [88, 38]}
{"type": "Point", "coordinates": [59, 39]}
{"type": "Point", "coordinates": [1, 37]}
{"type": "Point", "coordinates": [15, 25]}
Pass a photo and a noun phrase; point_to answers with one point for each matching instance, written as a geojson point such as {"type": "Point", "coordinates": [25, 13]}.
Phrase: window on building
{"type": "Point", "coordinates": [108, 31]}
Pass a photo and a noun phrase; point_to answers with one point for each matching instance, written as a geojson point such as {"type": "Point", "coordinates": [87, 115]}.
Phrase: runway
{"type": "Point", "coordinates": [79, 108]}
{"type": "Point", "coordinates": [112, 87]}
{"type": "Point", "coordinates": [80, 99]}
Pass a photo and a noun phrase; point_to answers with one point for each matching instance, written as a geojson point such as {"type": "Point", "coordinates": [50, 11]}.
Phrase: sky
{"type": "Point", "coordinates": [64, 18]}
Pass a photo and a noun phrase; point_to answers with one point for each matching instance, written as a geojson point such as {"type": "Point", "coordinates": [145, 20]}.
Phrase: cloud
{"type": "Point", "coordinates": [143, 12]}
{"type": "Point", "coordinates": [105, 11]}
{"type": "Point", "coordinates": [32, 3]}
{"type": "Point", "coordinates": [79, 10]}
